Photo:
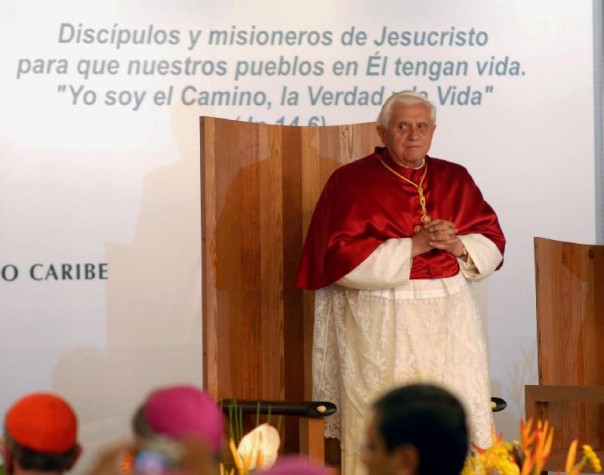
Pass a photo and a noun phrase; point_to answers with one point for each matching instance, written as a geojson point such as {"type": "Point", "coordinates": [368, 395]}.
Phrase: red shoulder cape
{"type": "Point", "coordinates": [363, 204]}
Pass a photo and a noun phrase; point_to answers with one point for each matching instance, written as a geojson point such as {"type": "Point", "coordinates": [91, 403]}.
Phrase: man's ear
{"type": "Point", "coordinates": [8, 458]}
{"type": "Point", "coordinates": [407, 460]}
{"type": "Point", "coordinates": [381, 132]}
{"type": "Point", "coordinates": [76, 456]}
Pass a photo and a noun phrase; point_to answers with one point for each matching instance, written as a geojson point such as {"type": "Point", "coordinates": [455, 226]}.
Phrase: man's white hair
{"type": "Point", "coordinates": [403, 97]}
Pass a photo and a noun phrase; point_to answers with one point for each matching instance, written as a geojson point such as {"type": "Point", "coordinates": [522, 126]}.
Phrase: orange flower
{"type": "Point", "coordinates": [571, 457]}
{"type": "Point", "coordinates": [528, 456]}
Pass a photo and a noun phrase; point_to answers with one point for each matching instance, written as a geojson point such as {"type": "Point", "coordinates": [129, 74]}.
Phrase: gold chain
{"type": "Point", "coordinates": [425, 218]}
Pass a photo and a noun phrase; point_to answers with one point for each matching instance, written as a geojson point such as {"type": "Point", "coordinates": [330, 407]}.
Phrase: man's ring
{"type": "Point", "coordinates": [439, 232]}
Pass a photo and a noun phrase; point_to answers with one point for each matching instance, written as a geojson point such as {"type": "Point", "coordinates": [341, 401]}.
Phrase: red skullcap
{"type": "Point", "coordinates": [42, 422]}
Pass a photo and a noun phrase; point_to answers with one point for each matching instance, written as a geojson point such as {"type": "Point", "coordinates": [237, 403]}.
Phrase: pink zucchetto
{"type": "Point", "coordinates": [296, 465]}
{"type": "Point", "coordinates": [181, 411]}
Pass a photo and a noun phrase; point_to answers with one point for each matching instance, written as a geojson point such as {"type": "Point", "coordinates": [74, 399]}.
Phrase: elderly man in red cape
{"type": "Point", "coordinates": [394, 241]}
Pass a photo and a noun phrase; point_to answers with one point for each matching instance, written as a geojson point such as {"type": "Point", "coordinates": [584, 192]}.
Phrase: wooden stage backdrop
{"type": "Point", "coordinates": [260, 184]}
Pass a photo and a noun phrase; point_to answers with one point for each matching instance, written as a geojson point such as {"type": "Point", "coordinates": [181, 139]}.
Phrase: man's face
{"type": "Point", "coordinates": [375, 456]}
{"type": "Point", "coordinates": [408, 135]}
{"type": "Point", "coordinates": [401, 461]}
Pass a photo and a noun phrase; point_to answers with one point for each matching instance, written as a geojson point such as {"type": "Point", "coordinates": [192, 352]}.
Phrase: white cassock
{"type": "Point", "coordinates": [376, 329]}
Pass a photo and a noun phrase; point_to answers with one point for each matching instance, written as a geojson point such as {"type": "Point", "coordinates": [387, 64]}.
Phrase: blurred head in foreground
{"type": "Point", "coordinates": [296, 465]}
{"type": "Point", "coordinates": [416, 429]}
{"type": "Point", "coordinates": [40, 435]}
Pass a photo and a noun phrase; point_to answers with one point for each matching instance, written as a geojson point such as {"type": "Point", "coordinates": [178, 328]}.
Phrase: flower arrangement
{"type": "Point", "coordinates": [527, 456]}
{"type": "Point", "coordinates": [257, 450]}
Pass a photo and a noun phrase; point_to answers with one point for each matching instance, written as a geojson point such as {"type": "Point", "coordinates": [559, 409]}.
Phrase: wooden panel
{"type": "Point", "coordinates": [570, 325]}
{"type": "Point", "coordinates": [575, 412]}
{"type": "Point", "coordinates": [570, 312]}
{"type": "Point", "coordinates": [260, 184]}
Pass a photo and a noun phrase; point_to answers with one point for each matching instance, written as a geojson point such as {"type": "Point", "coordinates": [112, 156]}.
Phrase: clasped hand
{"type": "Point", "coordinates": [437, 234]}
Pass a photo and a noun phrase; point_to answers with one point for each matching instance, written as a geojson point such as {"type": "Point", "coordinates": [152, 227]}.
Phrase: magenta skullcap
{"type": "Point", "coordinates": [180, 411]}
{"type": "Point", "coordinates": [296, 465]}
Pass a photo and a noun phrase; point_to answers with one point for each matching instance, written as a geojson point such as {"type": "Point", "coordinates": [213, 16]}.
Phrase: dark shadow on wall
{"type": "Point", "coordinates": [153, 302]}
